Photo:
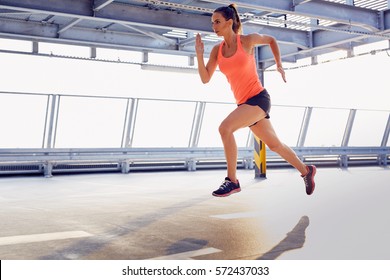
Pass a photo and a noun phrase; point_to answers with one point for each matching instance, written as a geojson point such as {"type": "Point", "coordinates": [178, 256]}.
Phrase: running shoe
{"type": "Point", "coordinates": [227, 188]}
{"type": "Point", "coordinates": [309, 179]}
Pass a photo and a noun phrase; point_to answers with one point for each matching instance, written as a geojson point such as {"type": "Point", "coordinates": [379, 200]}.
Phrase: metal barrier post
{"type": "Point", "coordinates": [260, 158]}
{"type": "Point", "coordinates": [347, 135]}
{"type": "Point", "coordinates": [50, 129]}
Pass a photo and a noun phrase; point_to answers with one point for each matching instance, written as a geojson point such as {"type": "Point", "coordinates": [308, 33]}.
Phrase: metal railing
{"type": "Point", "coordinates": [54, 133]}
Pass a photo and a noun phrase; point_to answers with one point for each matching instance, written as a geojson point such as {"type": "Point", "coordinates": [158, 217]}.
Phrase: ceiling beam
{"type": "Point", "coordinates": [275, 6]}
{"type": "Point", "coordinates": [113, 13]}
{"type": "Point", "coordinates": [117, 12]}
{"type": "Point", "coordinates": [156, 18]}
{"type": "Point", "coordinates": [151, 22]}
{"type": "Point", "coordinates": [5, 12]}
{"type": "Point", "coordinates": [386, 19]}
{"type": "Point", "coordinates": [109, 40]}
{"type": "Point", "coordinates": [69, 25]}
{"type": "Point", "coordinates": [100, 4]}
{"type": "Point", "coordinates": [151, 34]}
{"type": "Point", "coordinates": [298, 38]}
{"type": "Point", "coordinates": [340, 13]}
{"type": "Point", "coordinates": [317, 9]}
{"type": "Point", "coordinates": [73, 8]}
{"type": "Point", "coordinates": [323, 41]}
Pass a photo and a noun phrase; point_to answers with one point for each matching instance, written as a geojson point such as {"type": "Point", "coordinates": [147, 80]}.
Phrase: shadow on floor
{"type": "Point", "coordinates": [295, 239]}
{"type": "Point", "coordinates": [83, 248]}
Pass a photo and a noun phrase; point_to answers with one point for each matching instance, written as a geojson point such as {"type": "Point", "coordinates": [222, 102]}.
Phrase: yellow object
{"type": "Point", "coordinates": [260, 158]}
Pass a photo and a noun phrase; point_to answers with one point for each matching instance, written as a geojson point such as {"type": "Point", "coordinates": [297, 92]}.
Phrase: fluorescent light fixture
{"type": "Point", "coordinates": [212, 38]}
{"type": "Point", "coordinates": [176, 33]}
{"type": "Point", "coordinates": [179, 31]}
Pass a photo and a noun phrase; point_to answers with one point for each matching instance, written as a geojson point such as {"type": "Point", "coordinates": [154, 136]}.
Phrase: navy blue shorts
{"type": "Point", "coordinates": [262, 100]}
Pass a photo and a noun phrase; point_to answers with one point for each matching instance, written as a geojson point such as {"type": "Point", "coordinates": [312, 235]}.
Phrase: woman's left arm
{"type": "Point", "coordinates": [259, 39]}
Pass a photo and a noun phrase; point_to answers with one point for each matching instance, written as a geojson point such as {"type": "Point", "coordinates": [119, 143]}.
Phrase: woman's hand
{"type": "Point", "coordinates": [281, 71]}
{"type": "Point", "coordinates": [199, 46]}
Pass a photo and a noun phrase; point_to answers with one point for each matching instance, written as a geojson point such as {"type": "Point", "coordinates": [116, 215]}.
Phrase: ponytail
{"type": "Point", "coordinates": [237, 27]}
{"type": "Point", "coordinates": [230, 12]}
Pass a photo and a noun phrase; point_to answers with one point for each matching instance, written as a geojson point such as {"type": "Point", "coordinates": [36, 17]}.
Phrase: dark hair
{"type": "Point", "coordinates": [230, 12]}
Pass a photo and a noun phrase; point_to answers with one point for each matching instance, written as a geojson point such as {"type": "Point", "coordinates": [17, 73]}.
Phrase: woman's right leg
{"type": "Point", "coordinates": [264, 131]}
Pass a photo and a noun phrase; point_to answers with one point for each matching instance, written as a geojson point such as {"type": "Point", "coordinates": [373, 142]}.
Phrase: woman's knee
{"type": "Point", "coordinates": [276, 147]}
{"type": "Point", "coordinates": [225, 129]}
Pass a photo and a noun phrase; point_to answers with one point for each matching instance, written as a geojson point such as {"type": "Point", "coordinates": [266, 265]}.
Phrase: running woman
{"type": "Point", "coordinates": [236, 60]}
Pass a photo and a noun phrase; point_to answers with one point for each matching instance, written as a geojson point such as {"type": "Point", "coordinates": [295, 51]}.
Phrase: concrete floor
{"type": "Point", "coordinates": [172, 215]}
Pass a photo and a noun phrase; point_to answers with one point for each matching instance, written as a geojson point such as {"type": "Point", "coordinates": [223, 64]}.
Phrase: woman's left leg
{"type": "Point", "coordinates": [243, 116]}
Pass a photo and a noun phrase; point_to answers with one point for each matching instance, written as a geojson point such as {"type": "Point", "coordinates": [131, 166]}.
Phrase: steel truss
{"type": "Point", "coordinates": [304, 28]}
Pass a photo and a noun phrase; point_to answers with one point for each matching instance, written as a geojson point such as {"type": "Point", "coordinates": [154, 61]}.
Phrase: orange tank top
{"type": "Point", "coordinates": [241, 73]}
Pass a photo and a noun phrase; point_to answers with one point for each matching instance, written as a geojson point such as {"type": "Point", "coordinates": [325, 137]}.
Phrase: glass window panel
{"type": "Point", "coordinates": [368, 128]}
{"type": "Point", "coordinates": [69, 50]}
{"type": "Point", "coordinates": [388, 142]}
{"type": "Point", "coordinates": [121, 55]}
{"type": "Point", "coordinates": [214, 114]}
{"type": "Point", "coordinates": [287, 123]}
{"type": "Point", "coordinates": [22, 120]}
{"type": "Point", "coordinates": [16, 45]}
{"type": "Point", "coordinates": [326, 128]}
{"type": "Point", "coordinates": [90, 122]}
{"type": "Point", "coordinates": [163, 123]}
{"type": "Point", "coordinates": [163, 59]}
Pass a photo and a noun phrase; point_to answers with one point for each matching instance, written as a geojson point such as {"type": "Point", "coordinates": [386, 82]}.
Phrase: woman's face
{"type": "Point", "coordinates": [220, 24]}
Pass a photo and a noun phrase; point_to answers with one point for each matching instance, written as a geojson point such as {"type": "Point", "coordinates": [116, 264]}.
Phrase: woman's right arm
{"type": "Point", "coordinates": [205, 71]}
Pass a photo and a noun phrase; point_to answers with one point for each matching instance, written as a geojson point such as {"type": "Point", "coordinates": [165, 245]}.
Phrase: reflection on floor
{"type": "Point", "coordinates": [172, 215]}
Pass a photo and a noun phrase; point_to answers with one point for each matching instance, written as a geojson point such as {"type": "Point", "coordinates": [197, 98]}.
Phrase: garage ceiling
{"type": "Point", "coordinates": [304, 28]}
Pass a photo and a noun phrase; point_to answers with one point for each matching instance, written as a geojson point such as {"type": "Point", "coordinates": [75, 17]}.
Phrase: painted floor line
{"type": "Point", "coordinates": [21, 239]}
{"type": "Point", "coordinates": [238, 215]}
{"type": "Point", "coordinates": [188, 255]}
